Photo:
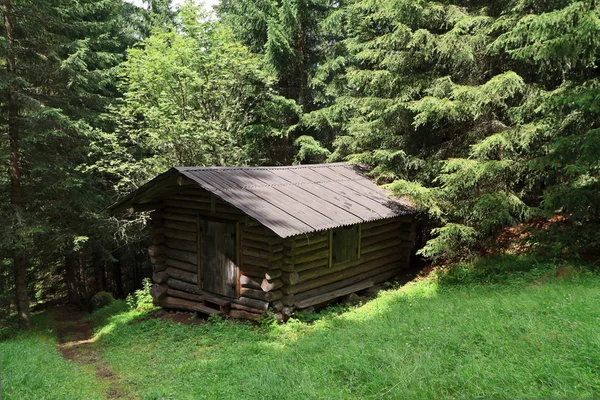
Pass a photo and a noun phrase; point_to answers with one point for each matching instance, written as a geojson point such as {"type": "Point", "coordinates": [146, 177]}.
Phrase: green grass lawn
{"type": "Point", "coordinates": [32, 368]}
{"type": "Point", "coordinates": [522, 333]}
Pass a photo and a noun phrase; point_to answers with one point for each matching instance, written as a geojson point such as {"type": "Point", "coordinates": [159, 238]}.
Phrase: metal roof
{"type": "Point", "coordinates": [298, 199]}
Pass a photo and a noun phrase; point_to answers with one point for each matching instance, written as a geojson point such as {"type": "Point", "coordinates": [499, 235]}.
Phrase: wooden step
{"type": "Point", "coordinates": [207, 310]}
{"type": "Point", "coordinates": [215, 303]}
{"type": "Point", "coordinates": [182, 304]}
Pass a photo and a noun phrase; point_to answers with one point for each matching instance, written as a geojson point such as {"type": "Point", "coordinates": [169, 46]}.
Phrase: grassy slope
{"type": "Point", "coordinates": [507, 338]}
{"type": "Point", "coordinates": [32, 368]}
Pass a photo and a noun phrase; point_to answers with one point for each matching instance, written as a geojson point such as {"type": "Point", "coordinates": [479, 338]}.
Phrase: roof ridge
{"type": "Point", "coordinates": [234, 168]}
{"type": "Point", "coordinates": [282, 184]}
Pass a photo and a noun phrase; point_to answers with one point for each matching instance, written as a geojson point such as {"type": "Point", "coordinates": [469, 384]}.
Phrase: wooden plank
{"type": "Point", "coordinates": [336, 276]}
{"type": "Point", "coordinates": [358, 250]}
{"type": "Point", "coordinates": [296, 251]}
{"type": "Point", "coordinates": [238, 258]}
{"type": "Point", "coordinates": [181, 265]}
{"type": "Point", "coordinates": [335, 294]}
{"type": "Point", "coordinates": [330, 248]}
{"type": "Point", "coordinates": [193, 288]}
{"type": "Point", "coordinates": [177, 234]}
{"type": "Point", "coordinates": [254, 271]}
{"type": "Point", "coordinates": [392, 267]}
{"type": "Point", "coordinates": [380, 229]}
{"type": "Point", "coordinates": [241, 314]}
{"type": "Point", "coordinates": [199, 250]}
{"type": "Point", "coordinates": [260, 295]}
{"type": "Point", "coordinates": [184, 245]}
{"type": "Point", "coordinates": [313, 256]}
{"type": "Point", "coordinates": [182, 226]}
{"type": "Point", "coordinates": [188, 257]}
{"type": "Point", "coordinates": [382, 237]}
{"type": "Point", "coordinates": [269, 286]}
{"type": "Point", "coordinates": [181, 304]}
{"type": "Point", "coordinates": [345, 242]}
{"type": "Point", "coordinates": [250, 282]}
{"type": "Point", "coordinates": [246, 308]}
{"type": "Point", "coordinates": [218, 262]}
{"type": "Point", "coordinates": [312, 273]}
{"type": "Point", "coordinates": [182, 275]}
{"type": "Point", "coordinates": [156, 250]}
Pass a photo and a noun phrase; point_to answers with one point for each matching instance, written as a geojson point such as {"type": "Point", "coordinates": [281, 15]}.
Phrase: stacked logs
{"type": "Point", "coordinates": [260, 272]}
{"type": "Point", "coordinates": [312, 279]}
{"type": "Point", "coordinates": [289, 274]}
{"type": "Point", "coordinates": [175, 239]}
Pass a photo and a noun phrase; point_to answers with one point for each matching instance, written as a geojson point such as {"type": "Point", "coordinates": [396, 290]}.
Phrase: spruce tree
{"type": "Point", "coordinates": [61, 58]}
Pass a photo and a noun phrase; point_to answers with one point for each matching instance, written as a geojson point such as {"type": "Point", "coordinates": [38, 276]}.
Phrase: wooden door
{"type": "Point", "coordinates": [218, 269]}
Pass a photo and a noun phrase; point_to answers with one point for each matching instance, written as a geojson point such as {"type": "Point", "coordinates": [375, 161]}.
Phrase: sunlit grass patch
{"type": "Point", "coordinates": [483, 336]}
{"type": "Point", "coordinates": [32, 368]}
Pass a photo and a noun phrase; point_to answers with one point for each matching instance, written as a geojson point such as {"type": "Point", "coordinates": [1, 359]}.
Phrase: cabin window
{"type": "Point", "coordinates": [218, 270]}
{"type": "Point", "coordinates": [344, 243]}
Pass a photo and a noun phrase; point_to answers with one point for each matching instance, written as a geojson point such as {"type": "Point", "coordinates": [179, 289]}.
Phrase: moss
{"type": "Point", "coordinates": [100, 300]}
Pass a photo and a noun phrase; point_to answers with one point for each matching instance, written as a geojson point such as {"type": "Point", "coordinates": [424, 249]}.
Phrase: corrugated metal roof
{"type": "Point", "coordinates": [300, 199]}
{"type": "Point", "coordinates": [288, 200]}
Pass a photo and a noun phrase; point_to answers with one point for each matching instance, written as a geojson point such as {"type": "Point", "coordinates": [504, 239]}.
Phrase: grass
{"type": "Point", "coordinates": [32, 368]}
{"type": "Point", "coordinates": [522, 333]}
{"type": "Point", "coordinates": [501, 328]}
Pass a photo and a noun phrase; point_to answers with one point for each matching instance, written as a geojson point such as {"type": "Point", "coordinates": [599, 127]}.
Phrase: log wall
{"type": "Point", "coordinates": [174, 256]}
{"type": "Point", "coordinates": [280, 274]}
{"type": "Point", "coordinates": [312, 278]}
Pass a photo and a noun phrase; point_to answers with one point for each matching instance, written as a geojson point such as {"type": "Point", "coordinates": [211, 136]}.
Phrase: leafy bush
{"type": "Point", "coordinates": [101, 300]}
{"type": "Point", "coordinates": [141, 299]}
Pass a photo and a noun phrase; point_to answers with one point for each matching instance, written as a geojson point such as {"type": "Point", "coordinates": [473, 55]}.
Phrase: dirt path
{"type": "Point", "coordinates": [75, 340]}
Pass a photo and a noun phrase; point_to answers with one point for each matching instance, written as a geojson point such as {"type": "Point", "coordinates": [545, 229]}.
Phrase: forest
{"type": "Point", "coordinates": [485, 114]}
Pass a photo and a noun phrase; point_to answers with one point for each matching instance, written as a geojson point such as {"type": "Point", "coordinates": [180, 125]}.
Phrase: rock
{"type": "Point", "coordinates": [100, 300]}
{"type": "Point", "coordinates": [351, 298]}
{"type": "Point", "coordinates": [160, 313]}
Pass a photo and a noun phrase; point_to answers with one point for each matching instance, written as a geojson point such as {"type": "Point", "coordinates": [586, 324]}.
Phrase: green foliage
{"type": "Point", "coordinates": [141, 299]}
{"type": "Point", "coordinates": [194, 96]}
{"type": "Point", "coordinates": [310, 151]}
{"type": "Point", "coordinates": [454, 241]}
{"type": "Point", "coordinates": [483, 116]}
{"type": "Point", "coordinates": [511, 270]}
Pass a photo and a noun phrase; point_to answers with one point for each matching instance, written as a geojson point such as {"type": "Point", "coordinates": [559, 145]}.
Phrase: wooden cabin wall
{"type": "Point", "coordinates": [311, 278]}
{"type": "Point", "coordinates": [281, 274]}
{"type": "Point", "coordinates": [174, 256]}
{"type": "Point", "coordinates": [260, 270]}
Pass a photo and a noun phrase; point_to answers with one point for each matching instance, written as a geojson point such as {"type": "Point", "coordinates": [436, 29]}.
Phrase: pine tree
{"type": "Point", "coordinates": [61, 60]}
{"type": "Point", "coordinates": [474, 111]}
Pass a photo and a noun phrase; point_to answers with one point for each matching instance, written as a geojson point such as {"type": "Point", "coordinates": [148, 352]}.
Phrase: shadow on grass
{"type": "Point", "coordinates": [417, 342]}
{"type": "Point", "coordinates": [509, 269]}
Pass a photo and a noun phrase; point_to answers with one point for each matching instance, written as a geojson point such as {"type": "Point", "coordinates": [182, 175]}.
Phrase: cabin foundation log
{"type": "Point", "coordinates": [324, 298]}
{"type": "Point", "coordinates": [181, 304]}
{"type": "Point", "coordinates": [242, 314]}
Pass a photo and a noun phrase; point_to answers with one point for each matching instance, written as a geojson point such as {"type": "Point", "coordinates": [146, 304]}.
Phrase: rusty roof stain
{"type": "Point", "coordinates": [293, 200]}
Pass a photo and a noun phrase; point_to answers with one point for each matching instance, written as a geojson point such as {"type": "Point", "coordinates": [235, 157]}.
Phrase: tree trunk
{"type": "Point", "coordinates": [99, 274]}
{"type": "Point", "coordinates": [16, 193]}
{"type": "Point", "coordinates": [71, 279]}
{"type": "Point", "coordinates": [118, 275]}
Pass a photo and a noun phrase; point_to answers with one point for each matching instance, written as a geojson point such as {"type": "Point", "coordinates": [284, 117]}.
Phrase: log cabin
{"type": "Point", "coordinates": [241, 241]}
